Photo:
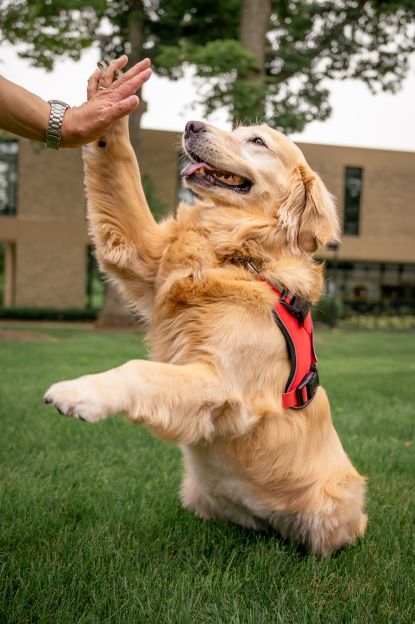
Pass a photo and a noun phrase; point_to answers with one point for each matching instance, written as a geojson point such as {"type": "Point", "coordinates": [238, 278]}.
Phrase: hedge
{"type": "Point", "coordinates": [48, 314]}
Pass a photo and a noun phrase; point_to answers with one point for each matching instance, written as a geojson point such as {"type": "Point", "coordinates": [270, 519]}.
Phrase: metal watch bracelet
{"type": "Point", "coordinates": [53, 135]}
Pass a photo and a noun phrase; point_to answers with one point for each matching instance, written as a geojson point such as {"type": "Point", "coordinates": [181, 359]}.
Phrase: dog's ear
{"type": "Point", "coordinates": [308, 212]}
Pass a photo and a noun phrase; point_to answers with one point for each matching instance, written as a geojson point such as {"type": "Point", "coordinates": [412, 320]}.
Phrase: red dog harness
{"type": "Point", "coordinates": [293, 317]}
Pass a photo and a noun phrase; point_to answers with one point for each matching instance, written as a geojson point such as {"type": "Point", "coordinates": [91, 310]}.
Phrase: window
{"type": "Point", "coordinates": [8, 177]}
{"type": "Point", "coordinates": [352, 195]}
{"type": "Point", "coordinates": [372, 286]}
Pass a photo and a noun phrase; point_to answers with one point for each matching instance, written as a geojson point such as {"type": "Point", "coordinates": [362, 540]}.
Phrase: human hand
{"type": "Point", "coordinates": [109, 99]}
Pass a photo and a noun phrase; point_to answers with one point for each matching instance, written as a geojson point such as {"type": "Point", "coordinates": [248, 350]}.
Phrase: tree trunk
{"type": "Point", "coordinates": [114, 312]}
{"type": "Point", "coordinates": [255, 16]}
{"type": "Point", "coordinates": [136, 40]}
{"type": "Point", "coordinates": [250, 90]}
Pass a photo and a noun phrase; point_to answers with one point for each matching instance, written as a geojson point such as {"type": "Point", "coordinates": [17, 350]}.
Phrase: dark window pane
{"type": "Point", "coordinates": [8, 177]}
{"type": "Point", "coordinates": [352, 195]}
{"type": "Point", "coordinates": [372, 287]}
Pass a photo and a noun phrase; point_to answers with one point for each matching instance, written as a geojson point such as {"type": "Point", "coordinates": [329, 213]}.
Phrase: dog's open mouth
{"type": "Point", "coordinates": [205, 174]}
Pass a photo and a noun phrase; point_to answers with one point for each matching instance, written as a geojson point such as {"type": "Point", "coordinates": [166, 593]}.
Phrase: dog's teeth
{"type": "Point", "coordinates": [228, 178]}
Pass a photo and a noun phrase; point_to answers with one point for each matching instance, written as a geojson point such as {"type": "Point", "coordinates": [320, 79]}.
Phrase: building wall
{"type": "Point", "coordinates": [47, 240]}
{"type": "Point", "coordinates": [49, 231]}
{"type": "Point", "coordinates": [387, 218]}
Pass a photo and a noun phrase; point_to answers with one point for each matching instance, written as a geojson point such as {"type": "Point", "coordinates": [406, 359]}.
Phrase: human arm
{"type": "Point", "coordinates": [27, 115]}
{"type": "Point", "coordinates": [22, 112]}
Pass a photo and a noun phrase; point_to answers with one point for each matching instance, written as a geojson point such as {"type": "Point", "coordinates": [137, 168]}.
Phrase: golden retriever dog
{"type": "Point", "coordinates": [218, 362]}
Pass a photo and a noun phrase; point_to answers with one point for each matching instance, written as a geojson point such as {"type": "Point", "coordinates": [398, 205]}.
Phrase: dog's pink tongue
{"type": "Point", "coordinates": [192, 167]}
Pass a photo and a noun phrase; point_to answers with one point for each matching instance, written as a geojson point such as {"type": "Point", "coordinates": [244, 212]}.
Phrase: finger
{"type": "Point", "coordinates": [121, 62]}
{"type": "Point", "coordinates": [111, 72]}
{"type": "Point", "coordinates": [134, 71]}
{"type": "Point", "coordinates": [92, 85]}
{"type": "Point", "coordinates": [107, 77]}
{"type": "Point", "coordinates": [124, 90]}
{"type": "Point", "coordinates": [120, 109]}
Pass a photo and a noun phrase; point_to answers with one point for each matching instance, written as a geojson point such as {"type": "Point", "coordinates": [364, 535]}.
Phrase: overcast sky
{"type": "Point", "coordinates": [358, 119]}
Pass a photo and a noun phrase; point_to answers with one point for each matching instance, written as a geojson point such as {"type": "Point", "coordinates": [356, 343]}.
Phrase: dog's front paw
{"type": "Point", "coordinates": [79, 398]}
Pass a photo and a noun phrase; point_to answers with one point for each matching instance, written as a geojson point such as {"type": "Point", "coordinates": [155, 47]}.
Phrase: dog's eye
{"type": "Point", "coordinates": [258, 141]}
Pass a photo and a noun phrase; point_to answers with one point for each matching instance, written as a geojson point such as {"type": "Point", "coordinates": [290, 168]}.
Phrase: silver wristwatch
{"type": "Point", "coordinates": [53, 133]}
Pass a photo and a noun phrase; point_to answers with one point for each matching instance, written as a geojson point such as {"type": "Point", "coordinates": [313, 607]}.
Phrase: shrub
{"type": "Point", "coordinates": [48, 314]}
{"type": "Point", "coordinates": [386, 322]}
{"type": "Point", "coordinates": [329, 310]}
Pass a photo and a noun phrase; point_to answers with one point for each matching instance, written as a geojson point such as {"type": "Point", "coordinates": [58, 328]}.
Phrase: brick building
{"type": "Point", "coordinates": [45, 246]}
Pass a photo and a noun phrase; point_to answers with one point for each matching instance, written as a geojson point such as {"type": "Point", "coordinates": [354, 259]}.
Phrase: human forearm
{"type": "Point", "coordinates": [22, 112]}
{"type": "Point", "coordinates": [27, 115]}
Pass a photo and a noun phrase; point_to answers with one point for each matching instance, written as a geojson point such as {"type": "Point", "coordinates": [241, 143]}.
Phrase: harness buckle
{"type": "Point", "coordinates": [297, 307]}
{"type": "Point", "coordinates": [251, 266]}
{"type": "Point", "coordinates": [310, 383]}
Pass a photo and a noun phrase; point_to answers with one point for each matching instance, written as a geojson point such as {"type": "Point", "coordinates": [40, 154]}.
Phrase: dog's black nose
{"type": "Point", "coordinates": [194, 127]}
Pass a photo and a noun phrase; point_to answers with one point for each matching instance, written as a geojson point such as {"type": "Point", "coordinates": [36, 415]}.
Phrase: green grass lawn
{"type": "Point", "coordinates": [91, 526]}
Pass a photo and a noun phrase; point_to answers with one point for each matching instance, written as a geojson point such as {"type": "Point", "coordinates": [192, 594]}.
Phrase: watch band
{"type": "Point", "coordinates": [53, 133]}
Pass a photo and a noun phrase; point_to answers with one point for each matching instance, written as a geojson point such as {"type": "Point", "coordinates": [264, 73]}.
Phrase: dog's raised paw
{"type": "Point", "coordinates": [77, 398]}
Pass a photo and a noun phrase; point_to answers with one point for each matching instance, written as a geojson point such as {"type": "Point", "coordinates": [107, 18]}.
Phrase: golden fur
{"type": "Point", "coordinates": [218, 361]}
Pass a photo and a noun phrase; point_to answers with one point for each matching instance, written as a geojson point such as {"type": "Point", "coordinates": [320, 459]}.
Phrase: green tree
{"type": "Point", "coordinates": [266, 60]}
{"type": "Point", "coordinates": [273, 60]}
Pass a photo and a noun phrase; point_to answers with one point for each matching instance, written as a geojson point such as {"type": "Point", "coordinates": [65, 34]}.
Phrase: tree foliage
{"type": "Point", "coordinates": [47, 30]}
{"type": "Point", "coordinates": [309, 42]}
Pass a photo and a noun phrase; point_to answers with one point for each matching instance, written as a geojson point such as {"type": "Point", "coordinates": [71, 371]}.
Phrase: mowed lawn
{"type": "Point", "coordinates": [91, 526]}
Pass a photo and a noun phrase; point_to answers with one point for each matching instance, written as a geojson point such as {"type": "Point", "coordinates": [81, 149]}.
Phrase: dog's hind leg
{"type": "Point", "coordinates": [193, 498]}
{"type": "Point", "coordinates": [128, 241]}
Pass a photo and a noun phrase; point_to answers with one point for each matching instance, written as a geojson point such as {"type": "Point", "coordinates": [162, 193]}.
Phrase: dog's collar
{"type": "Point", "coordinates": [255, 267]}
{"type": "Point", "coordinates": [249, 262]}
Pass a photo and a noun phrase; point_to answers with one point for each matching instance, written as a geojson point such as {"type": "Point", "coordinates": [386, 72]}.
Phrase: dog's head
{"type": "Point", "coordinates": [258, 169]}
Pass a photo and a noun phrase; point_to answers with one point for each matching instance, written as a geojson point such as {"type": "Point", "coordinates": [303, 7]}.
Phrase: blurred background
{"type": "Point", "coordinates": [91, 528]}
{"type": "Point", "coordinates": [337, 76]}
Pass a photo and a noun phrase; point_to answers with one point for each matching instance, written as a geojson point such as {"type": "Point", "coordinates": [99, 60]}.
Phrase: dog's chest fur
{"type": "Point", "coordinates": [207, 308]}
